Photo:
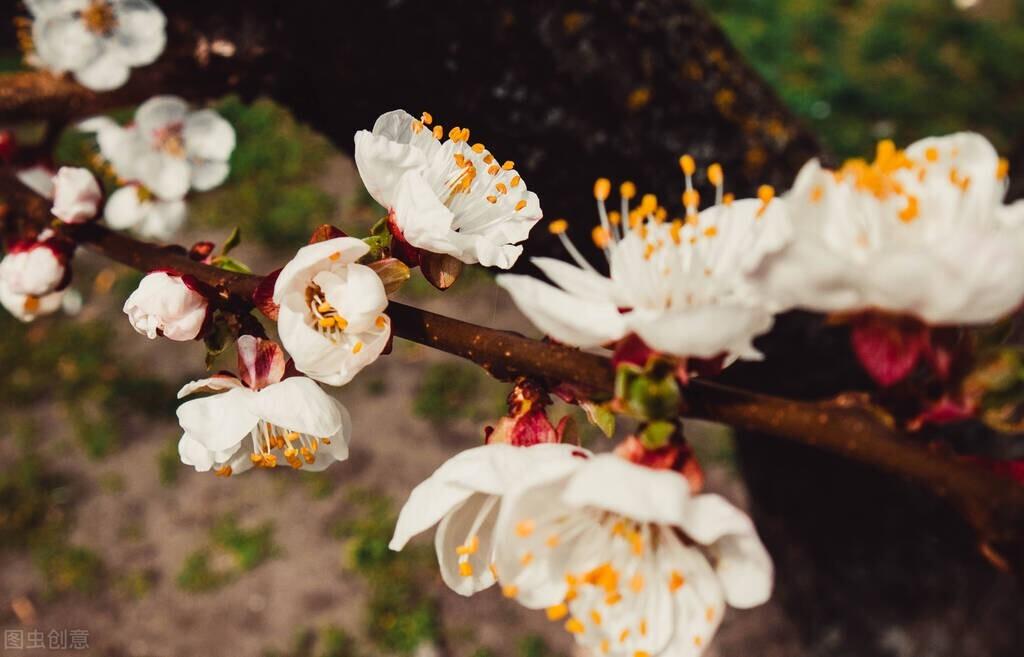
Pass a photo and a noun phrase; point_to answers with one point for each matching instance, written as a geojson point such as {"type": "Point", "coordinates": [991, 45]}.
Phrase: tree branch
{"type": "Point", "coordinates": [849, 426]}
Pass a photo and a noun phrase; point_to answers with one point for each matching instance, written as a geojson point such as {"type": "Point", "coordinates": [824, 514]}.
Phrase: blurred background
{"type": "Point", "coordinates": [102, 528]}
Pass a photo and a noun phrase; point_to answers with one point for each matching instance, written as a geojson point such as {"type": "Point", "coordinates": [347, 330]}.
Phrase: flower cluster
{"type": "Point", "coordinates": [167, 151]}
{"type": "Point", "coordinates": [628, 557]}
{"type": "Point", "coordinates": [98, 41]}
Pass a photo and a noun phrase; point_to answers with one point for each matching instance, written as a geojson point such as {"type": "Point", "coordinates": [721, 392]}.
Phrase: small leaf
{"type": "Point", "coordinates": [440, 269]}
{"type": "Point", "coordinates": [657, 434]}
{"type": "Point", "coordinates": [380, 228]}
{"type": "Point", "coordinates": [228, 263]}
{"type": "Point", "coordinates": [233, 240]}
{"type": "Point", "coordinates": [393, 273]}
{"type": "Point", "coordinates": [600, 416]}
{"type": "Point", "coordinates": [379, 245]}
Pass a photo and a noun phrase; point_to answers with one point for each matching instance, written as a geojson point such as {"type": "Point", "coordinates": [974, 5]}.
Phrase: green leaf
{"type": "Point", "coordinates": [600, 416]}
{"type": "Point", "coordinates": [230, 264]}
{"type": "Point", "coordinates": [657, 434]}
{"type": "Point", "coordinates": [233, 240]}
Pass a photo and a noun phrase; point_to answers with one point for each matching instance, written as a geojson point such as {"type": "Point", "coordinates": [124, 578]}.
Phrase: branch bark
{"type": "Point", "coordinates": [848, 426]}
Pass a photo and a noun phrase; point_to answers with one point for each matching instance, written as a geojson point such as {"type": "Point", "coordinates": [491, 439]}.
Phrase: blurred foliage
{"type": "Point", "coordinates": [452, 390]}
{"type": "Point", "coordinates": [246, 549]}
{"type": "Point", "coordinates": [329, 642]}
{"type": "Point", "coordinates": [272, 192]}
{"type": "Point", "coordinates": [35, 513]}
{"type": "Point", "coordinates": [168, 463]}
{"type": "Point", "coordinates": [401, 607]}
{"type": "Point", "coordinates": [860, 70]}
{"type": "Point", "coordinates": [91, 383]}
{"type": "Point", "coordinates": [533, 645]}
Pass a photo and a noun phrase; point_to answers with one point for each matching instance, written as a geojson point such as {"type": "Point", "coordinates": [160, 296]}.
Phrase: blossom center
{"type": "Point", "coordinates": [170, 139]}
{"type": "Point", "coordinates": [269, 442]}
{"type": "Point", "coordinates": [326, 318]}
{"type": "Point", "coordinates": [99, 17]}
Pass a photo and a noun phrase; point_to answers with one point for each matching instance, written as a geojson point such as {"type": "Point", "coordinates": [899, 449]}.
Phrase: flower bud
{"type": "Point", "coordinates": [33, 269]}
{"type": "Point", "coordinates": [77, 195]}
{"type": "Point", "coordinates": [164, 305]}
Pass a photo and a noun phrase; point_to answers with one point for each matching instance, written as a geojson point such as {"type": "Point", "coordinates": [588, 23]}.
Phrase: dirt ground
{"type": "Point", "coordinates": [138, 525]}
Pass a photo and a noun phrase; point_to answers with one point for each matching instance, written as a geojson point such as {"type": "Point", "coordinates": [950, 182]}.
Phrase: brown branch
{"type": "Point", "coordinates": [848, 426]}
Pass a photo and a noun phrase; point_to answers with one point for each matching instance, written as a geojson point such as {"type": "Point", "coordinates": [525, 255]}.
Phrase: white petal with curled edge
{"type": "Point", "coordinates": [337, 449]}
{"type": "Point", "coordinates": [209, 136]}
{"type": "Point", "coordinates": [298, 273]}
{"type": "Point", "coordinates": [744, 569]}
{"type": "Point", "coordinates": [327, 361]}
{"type": "Point", "coordinates": [356, 292]}
{"type": "Point", "coordinates": [425, 221]}
{"type": "Point", "coordinates": [698, 603]}
{"type": "Point", "coordinates": [703, 331]}
{"type": "Point", "coordinates": [297, 404]}
{"type": "Point", "coordinates": [218, 421]}
{"type": "Point", "coordinates": [640, 493]}
{"type": "Point", "coordinates": [103, 73]}
{"type": "Point", "coordinates": [385, 154]}
{"type": "Point", "coordinates": [708, 517]}
{"type": "Point", "coordinates": [158, 113]}
{"type": "Point", "coordinates": [563, 316]}
{"type": "Point", "coordinates": [207, 175]}
{"type": "Point", "coordinates": [479, 511]}
{"type": "Point", "coordinates": [215, 383]}
{"type": "Point", "coordinates": [192, 452]}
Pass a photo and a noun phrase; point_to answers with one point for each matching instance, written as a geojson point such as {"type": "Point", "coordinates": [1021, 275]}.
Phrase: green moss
{"type": "Point", "coordinates": [401, 607]}
{"type": "Point", "coordinates": [861, 70]}
{"type": "Point", "coordinates": [168, 463]}
{"type": "Point", "coordinates": [452, 390]}
{"type": "Point", "coordinates": [66, 568]}
{"type": "Point", "coordinates": [247, 547]}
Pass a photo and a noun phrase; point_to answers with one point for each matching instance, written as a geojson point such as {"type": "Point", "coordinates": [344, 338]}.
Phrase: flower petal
{"type": "Point", "coordinates": [159, 113]}
{"type": "Point", "coordinates": [297, 404]}
{"type": "Point", "coordinates": [103, 73]}
{"type": "Point", "coordinates": [218, 421]}
{"type": "Point", "coordinates": [297, 274]}
{"type": "Point", "coordinates": [208, 136]}
{"type": "Point", "coordinates": [563, 316]}
{"type": "Point", "coordinates": [384, 155]}
{"type": "Point", "coordinates": [207, 175]}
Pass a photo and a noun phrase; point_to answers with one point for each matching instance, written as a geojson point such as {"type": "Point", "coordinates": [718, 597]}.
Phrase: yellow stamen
{"type": "Point", "coordinates": [466, 569]}
{"type": "Point", "coordinates": [552, 541]}
{"type": "Point", "coordinates": [381, 321]}
{"type": "Point", "coordinates": [1002, 168]}
{"type": "Point", "coordinates": [510, 591]}
{"type": "Point", "coordinates": [558, 226]}
{"type": "Point", "coordinates": [931, 154]}
{"type": "Point", "coordinates": [910, 212]}
{"type": "Point", "coordinates": [520, 205]}
{"type": "Point", "coordinates": [687, 164]}
{"type": "Point", "coordinates": [600, 236]}
{"type": "Point", "coordinates": [515, 181]}
{"type": "Point", "coordinates": [691, 198]}
{"type": "Point", "coordinates": [357, 347]}
{"type": "Point", "coordinates": [508, 165]}
{"type": "Point", "coordinates": [602, 188]}
{"type": "Point", "coordinates": [574, 626]}
{"type": "Point", "coordinates": [526, 559]}
{"type": "Point", "coordinates": [224, 471]}
{"type": "Point", "coordinates": [596, 617]}
{"type": "Point", "coordinates": [715, 176]}
{"type": "Point", "coordinates": [478, 148]}
{"type": "Point", "coordinates": [524, 528]}
{"type": "Point", "coordinates": [637, 583]}
{"type": "Point", "coordinates": [710, 231]}
{"type": "Point", "coordinates": [627, 190]}
{"type": "Point", "coordinates": [427, 118]}
{"type": "Point", "coordinates": [438, 132]}
{"type": "Point", "coordinates": [470, 547]}
{"type": "Point", "coordinates": [557, 612]}
{"type": "Point", "coordinates": [766, 193]}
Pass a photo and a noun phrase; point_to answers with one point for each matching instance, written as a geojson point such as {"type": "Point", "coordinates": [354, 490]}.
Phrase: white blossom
{"type": "Point", "coordinates": [921, 232]}
{"type": "Point", "coordinates": [681, 285]}
{"type": "Point", "coordinates": [164, 304]}
{"type": "Point", "coordinates": [168, 149]}
{"type": "Point", "coordinates": [331, 317]}
{"type": "Point", "coordinates": [463, 498]}
{"type": "Point", "coordinates": [76, 195]}
{"type": "Point", "coordinates": [632, 560]}
{"type": "Point", "coordinates": [261, 419]}
{"type": "Point", "coordinates": [450, 197]}
{"type": "Point", "coordinates": [98, 41]}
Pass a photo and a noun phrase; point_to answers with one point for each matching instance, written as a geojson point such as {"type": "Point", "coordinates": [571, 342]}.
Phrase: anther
{"type": "Point", "coordinates": [687, 164]}
{"type": "Point", "coordinates": [602, 188]}
{"type": "Point", "coordinates": [715, 176]}
{"type": "Point", "coordinates": [627, 190]}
